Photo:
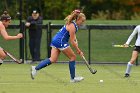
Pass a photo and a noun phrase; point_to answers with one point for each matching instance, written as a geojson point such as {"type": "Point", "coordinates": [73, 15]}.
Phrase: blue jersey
{"type": "Point", "coordinates": [60, 40]}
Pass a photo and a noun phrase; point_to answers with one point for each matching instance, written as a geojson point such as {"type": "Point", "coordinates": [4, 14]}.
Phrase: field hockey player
{"type": "Point", "coordinates": [135, 51]}
{"type": "Point", "coordinates": [5, 20]}
{"type": "Point", "coordinates": [60, 44]}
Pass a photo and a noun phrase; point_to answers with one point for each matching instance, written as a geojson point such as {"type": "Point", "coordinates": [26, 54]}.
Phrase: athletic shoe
{"type": "Point", "coordinates": [0, 63]}
{"type": "Point", "coordinates": [33, 72]}
{"type": "Point", "coordinates": [127, 75]}
{"type": "Point", "coordinates": [76, 79]}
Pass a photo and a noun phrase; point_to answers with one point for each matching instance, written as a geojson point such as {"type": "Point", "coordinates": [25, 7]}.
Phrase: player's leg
{"type": "Point", "coordinates": [71, 55]}
{"type": "Point", "coordinates": [54, 56]}
{"type": "Point", "coordinates": [130, 63]}
{"type": "Point", "coordinates": [2, 55]}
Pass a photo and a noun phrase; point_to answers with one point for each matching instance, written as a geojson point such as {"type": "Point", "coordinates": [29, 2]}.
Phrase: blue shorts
{"type": "Point", "coordinates": [59, 45]}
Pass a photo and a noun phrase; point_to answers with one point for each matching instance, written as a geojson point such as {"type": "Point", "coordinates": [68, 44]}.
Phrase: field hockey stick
{"type": "Point", "coordinates": [123, 46]}
{"type": "Point", "coordinates": [93, 71]}
{"type": "Point", "coordinates": [12, 57]}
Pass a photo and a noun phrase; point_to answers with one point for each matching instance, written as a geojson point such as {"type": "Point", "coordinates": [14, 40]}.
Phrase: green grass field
{"type": "Point", "coordinates": [15, 78]}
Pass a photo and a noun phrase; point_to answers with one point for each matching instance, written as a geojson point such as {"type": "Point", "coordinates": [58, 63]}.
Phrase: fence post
{"type": "Point", "coordinates": [89, 43]}
{"type": "Point", "coordinates": [49, 36]}
{"type": "Point", "coordinates": [25, 36]}
{"type": "Point", "coordinates": [22, 30]}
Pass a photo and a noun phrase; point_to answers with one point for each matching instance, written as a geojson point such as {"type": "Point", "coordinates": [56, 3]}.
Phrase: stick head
{"type": "Point", "coordinates": [93, 71]}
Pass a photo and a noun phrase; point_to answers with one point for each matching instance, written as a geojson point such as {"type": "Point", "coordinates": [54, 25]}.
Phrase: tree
{"type": "Point", "coordinates": [59, 9]}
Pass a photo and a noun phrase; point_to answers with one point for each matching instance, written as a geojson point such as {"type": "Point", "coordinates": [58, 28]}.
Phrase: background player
{"type": "Point", "coordinates": [5, 21]}
{"type": "Point", "coordinates": [135, 51]}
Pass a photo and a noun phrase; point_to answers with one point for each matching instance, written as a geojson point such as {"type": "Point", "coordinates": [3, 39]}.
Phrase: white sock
{"type": "Point", "coordinates": [128, 69]}
{"type": "Point", "coordinates": [1, 61]}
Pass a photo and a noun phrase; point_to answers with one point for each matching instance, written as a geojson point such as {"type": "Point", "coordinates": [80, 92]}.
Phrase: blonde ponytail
{"type": "Point", "coordinates": [72, 16]}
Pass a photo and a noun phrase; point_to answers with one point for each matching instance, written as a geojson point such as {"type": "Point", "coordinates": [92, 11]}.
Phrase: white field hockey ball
{"type": "Point", "coordinates": [101, 81]}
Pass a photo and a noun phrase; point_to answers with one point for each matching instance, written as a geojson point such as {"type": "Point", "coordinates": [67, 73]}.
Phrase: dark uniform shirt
{"type": "Point", "coordinates": [35, 28]}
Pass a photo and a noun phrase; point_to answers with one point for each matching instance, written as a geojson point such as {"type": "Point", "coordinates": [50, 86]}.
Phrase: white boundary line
{"type": "Point", "coordinates": [6, 83]}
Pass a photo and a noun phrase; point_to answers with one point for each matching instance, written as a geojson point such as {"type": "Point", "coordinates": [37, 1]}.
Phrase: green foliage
{"type": "Point", "coordinates": [136, 16]}
{"type": "Point", "coordinates": [124, 9]}
{"type": "Point", "coordinates": [12, 6]}
{"type": "Point", "coordinates": [105, 15]}
{"type": "Point", "coordinates": [101, 15]}
{"type": "Point", "coordinates": [58, 9]}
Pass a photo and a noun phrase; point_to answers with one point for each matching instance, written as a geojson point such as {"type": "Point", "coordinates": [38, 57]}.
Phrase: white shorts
{"type": "Point", "coordinates": [61, 49]}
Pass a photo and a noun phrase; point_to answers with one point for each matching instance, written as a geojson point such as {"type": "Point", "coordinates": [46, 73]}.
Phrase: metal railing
{"type": "Point", "coordinates": [49, 27]}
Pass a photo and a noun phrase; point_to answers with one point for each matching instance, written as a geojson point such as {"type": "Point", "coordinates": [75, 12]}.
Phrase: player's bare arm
{"type": "Point", "coordinates": [73, 39]}
{"type": "Point", "coordinates": [6, 36]}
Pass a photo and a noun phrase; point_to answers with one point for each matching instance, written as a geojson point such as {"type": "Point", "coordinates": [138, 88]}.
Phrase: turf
{"type": "Point", "coordinates": [15, 78]}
